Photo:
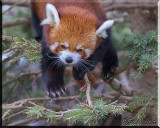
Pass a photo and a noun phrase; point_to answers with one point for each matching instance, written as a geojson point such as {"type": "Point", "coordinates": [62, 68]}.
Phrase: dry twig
{"type": "Point", "coordinates": [5, 114]}
{"type": "Point", "coordinates": [18, 114]}
{"type": "Point", "coordinates": [8, 38]}
{"type": "Point", "coordinates": [88, 85]}
{"type": "Point", "coordinates": [17, 58]}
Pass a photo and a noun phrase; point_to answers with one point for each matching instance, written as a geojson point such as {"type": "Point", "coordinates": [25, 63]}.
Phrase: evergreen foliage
{"type": "Point", "coordinates": [82, 114]}
{"type": "Point", "coordinates": [31, 49]}
{"type": "Point", "coordinates": [145, 102]}
{"type": "Point", "coordinates": [142, 51]}
{"type": "Point", "coordinates": [36, 110]}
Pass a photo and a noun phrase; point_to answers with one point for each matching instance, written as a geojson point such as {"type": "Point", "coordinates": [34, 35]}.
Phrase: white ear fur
{"type": "Point", "coordinates": [52, 15]}
{"type": "Point", "coordinates": [101, 30]}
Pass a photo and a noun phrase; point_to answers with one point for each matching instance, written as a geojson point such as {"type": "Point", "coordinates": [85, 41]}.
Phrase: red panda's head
{"type": "Point", "coordinates": [73, 36]}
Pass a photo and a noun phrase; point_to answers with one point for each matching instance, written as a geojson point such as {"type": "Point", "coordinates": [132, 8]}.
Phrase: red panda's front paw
{"type": "Point", "coordinates": [108, 72]}
{"type": "Point", "coordinates": [77, 75]}
{"type": "Point", "coordinates": [53, 90]}
{"type": "Point", "coordinates": [110, 64]}
{"type": "Point", "coordinates": [83, 67]}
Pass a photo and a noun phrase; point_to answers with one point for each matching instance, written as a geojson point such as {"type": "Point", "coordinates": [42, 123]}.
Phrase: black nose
{"type": "Point", "coordinates": [69, 60]}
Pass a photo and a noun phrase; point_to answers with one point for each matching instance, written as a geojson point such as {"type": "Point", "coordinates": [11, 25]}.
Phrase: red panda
{"type": "Point", "coordinates": [74, 32]}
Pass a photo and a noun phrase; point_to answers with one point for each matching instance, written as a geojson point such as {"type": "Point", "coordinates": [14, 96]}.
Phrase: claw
{"type": "Point", "coordinates": [112, 70]}
{"type": "Point", "coordinates": [107, 76]}
{"type": "Point", "coordinates": [62, 91]}
{"type": "Point", "coordinates": [47, 93]}
{"type": "Point", "coordinates": [57, 92]}
{"type": "Point", "coordinates": [50, 95]}
{"type": "Point", "coordinates": [53, 94]}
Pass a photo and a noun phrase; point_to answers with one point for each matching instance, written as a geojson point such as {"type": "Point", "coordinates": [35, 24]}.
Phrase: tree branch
{"type": "Point", "coordinates": [5, 114]}
{"type": "Point", "coordinates": [25, 3]}
{"type": "Point", "coordinates": [8, 38]}
{"type": "Point", "coordinates": [126, 7]}
{"type": "Point", "coordinates": [108, 5]}
{"type": "Point", "coordinates": [17, 58]}
{"type": "Point", "coordinates": [22, 122]}
{"type": "Point", "coordinates": [18, 114]}
{"type": "Point", "coordinates": [19, 104]}
{"type": "Point", "coordinates": [18, 21]}
{"type": "Point", "coordinates": [53, 106]}
{"type": "Point", "coordinates": [14, 5]}
{"type": "Point", "coordinates": [19, 76]}
{"type": "Point", "coordinates": [119, 86]}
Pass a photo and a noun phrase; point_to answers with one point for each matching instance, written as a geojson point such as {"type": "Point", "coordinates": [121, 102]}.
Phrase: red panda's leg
{"type": "Point", "coordinates": [52, 73]}
{"type": "Point", "coordinates": [54, 84]}
{"type": "Point", "coordinates": [110, 59]}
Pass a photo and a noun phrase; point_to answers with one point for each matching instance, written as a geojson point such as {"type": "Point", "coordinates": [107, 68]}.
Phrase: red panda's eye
{"type": "Point", "coordinates": [79, 50]}
{"type": "Point", "coordinates": [63, 46]}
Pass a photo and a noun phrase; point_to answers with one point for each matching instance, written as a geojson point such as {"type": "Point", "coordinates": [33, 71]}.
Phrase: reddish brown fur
{"type": "Point", "coordinates": [79, 20]}
{"type": "Point", "coordinates": [92, 5]}
{"type": "Point", "coordinates": [87, 13]}
{"type": "Point", "coordinates": [75, 29]}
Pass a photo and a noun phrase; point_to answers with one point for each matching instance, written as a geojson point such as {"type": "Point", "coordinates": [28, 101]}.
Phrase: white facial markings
{"type": "Point", "coordinates": [66, 53]}
{"type": "Point", "coordinates": [54, 46]}
{"type": "Point", "coordinates": [78, 47]}
{"type": "Point", "coordinates": [66, 44]}
{"type": "Point", "coordinates": [88, 52]}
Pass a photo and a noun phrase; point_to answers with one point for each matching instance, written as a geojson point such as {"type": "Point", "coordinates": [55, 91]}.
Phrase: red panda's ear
{"type": "Point", "coordinates": [101, 31]}
{"type": "Point", "coordinates": [52, 15]}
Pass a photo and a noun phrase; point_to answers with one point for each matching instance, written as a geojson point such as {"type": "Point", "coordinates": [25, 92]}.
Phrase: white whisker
{"type": "Point", "coordinates": [52, 63]}
{"type": "Point", "coordinates": [55, 62]}
{"type": "Point", "coordinates": [84, 66]}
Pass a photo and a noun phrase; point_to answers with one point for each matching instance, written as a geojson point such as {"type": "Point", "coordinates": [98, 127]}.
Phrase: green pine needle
{"type": "Point", "coordinates": [37, 111]}
{"type": "Point", "coordinates": [142, 49]}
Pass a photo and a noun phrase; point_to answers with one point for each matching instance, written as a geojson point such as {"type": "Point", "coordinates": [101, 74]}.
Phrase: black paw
{"type": "Point", "coordinates": [109, 68]}
{"type": "Point", "coordinates": [83, 67]}
{"type": "Point", "coordinates": [54, 89]}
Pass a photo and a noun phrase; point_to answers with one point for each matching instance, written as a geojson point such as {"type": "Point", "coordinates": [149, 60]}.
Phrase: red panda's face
{"type": "Point", "coordinates": [72, 40]}
{"type": "Point", "coordinates": [72, 37]}
{"type": "Point", "coordinates": [72, 51]}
